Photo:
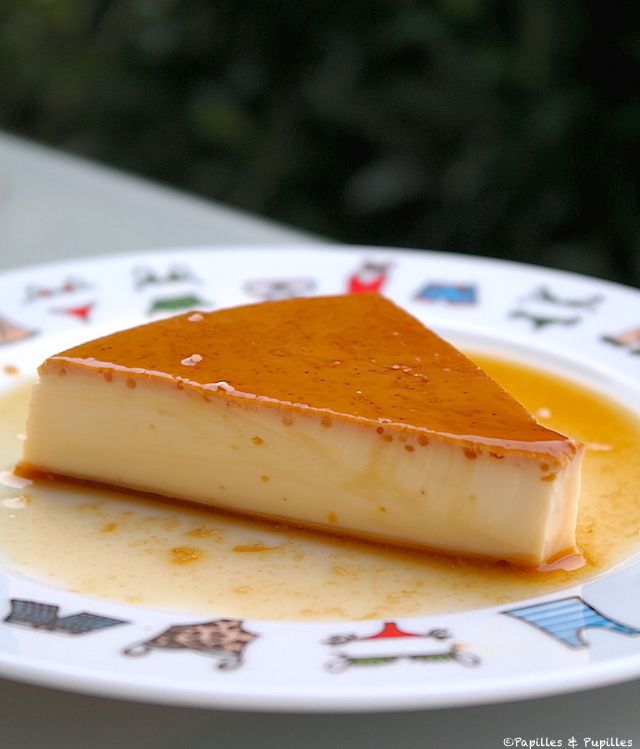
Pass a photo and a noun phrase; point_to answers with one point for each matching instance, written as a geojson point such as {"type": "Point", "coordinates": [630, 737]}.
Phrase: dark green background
{"type": "Point", "coordinates": [500, 128]}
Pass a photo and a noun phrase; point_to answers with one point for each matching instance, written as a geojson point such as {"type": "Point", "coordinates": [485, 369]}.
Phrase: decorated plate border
{"type": "Point", "coordinates": [584, 636]}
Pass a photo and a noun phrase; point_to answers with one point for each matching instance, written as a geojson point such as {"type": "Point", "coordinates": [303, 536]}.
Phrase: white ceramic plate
{"type": "Point", "coordinates": [580, 637]}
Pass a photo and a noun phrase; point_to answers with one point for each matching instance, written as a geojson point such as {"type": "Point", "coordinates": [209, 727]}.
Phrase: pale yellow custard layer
{"type": "Point", "coordinates": [198, 560]}
{"type": "Point", "coordinates": [302, 412]}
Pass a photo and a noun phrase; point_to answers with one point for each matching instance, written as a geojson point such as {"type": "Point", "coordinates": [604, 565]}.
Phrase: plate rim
{"type": "Point", "coordinates": [328, 247]}
{"type": "Point", "coordinates": [492, 689]}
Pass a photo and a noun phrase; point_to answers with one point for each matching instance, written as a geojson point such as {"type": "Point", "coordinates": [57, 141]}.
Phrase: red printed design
{"type": "Point", "coordinates": [34, 292]}
{"type": "Point", "coordinates": [79, 311]}
{"type": "Point", "coordinates": [390, 644]}
{"type": "Point", "coordinates": [371, 276]}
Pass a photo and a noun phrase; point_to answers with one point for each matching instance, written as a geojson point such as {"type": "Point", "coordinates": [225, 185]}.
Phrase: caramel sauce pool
{"type": "Point", "coordinates": [183, 558]}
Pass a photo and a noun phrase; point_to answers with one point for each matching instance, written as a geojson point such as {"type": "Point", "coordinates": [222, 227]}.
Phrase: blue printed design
{"type": "Point", "coordinates": [567, 619]}
{"type": "Point", "coordinates": [449, 293]}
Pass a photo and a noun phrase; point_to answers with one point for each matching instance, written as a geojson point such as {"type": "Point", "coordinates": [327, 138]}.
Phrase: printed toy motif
{"type": "Point", "coordinates": [449, 293]}
{"type": "Point", "coordinates": [225, 639]}
{"type": "Point", "coordinates": [629, 340]}
{"type": "Point", "coordinates": [145, 276]}
{"type": "Point", "coordinates": [34, 292]}
{"type": "Point", "coordinates": [539, 322]}
{"type": "Point", "coordinates": [11, 332]}
{"type": "Point", "coordinates": [567, 619]}
{"type": "Point", "coordinates": [543, 294]}
{"type": "Point", "coordinates": [79, 311]}
{"type": "Point", "coordinates": [270, 289]}
{"type": "Point", "coordinates": [371, 276]}
{"type": "Point", "coordinates": [181, 297]}
{"type": "Point", "coordinates": [537, 302]}
{"type": "Point", "coordinates": [392, 644]}
{"type": "Point", "coordinates": [177, 303]}
{"type": "Point", "coordinates": [45, 616]}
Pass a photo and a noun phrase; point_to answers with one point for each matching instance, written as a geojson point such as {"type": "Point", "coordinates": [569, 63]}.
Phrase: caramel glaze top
{"type": "Point", "coordinates": [357, 356]}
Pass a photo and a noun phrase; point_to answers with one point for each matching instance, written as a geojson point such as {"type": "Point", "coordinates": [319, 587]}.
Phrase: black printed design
{"type": "Point", "coordinates": [535, 307]}
{"type": "Point", "coordinates": [45, 616]}
{"type": "Point", "coordinates": [628, 339]}
{"type": "Point", "coordinates": [270, 289]}
{"type": "Point", "coordinates": [224, 639]}
{"type": "Point", "coordinates": [145, 276]}
{"type": "Point", "coordinates": [539, 322]}
{"type": "Point", "coordinates": [544, 294]}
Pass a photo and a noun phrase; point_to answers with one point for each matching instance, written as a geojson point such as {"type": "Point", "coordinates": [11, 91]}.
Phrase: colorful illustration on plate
{"type": "Point", "coordinates": [11, 332]}
{"type": "Point", "coordinates": [177, 303]}
{"type": "Point", "coordinates": [145, 276]}
{"type": "Point", "coordinates": [567, 619]}
{"type": "Point", "coordinates": [371, 276]}
{"type": "Point", "coordinates": [270, 289]}
{"type": "Point", "coordinates": [224, 639]}
{"type": "Point", "coordinates": [45, 616]}
{"type": "Point", "coordinates": [542, 321]}
{"type": "Point", "coordinates": [391, 644]}
{"type": "Point", "coordinates": [629, 340]}
{"type": "Point", "coordinates": [34, 292]}
{"type": "Point", "coordinates": [450, 293]}
{"type": "Point", "coordinates": [79, 311]}
{"type": "Point", "coordinates": [535, 307]}
{"type": "Point", "coordinates": [177, 276]}
{"type": "Point", "coordinates": [545, 295]}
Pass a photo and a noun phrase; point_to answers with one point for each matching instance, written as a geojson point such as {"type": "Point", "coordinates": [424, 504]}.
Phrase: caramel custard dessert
{"type": "Point", "coordinates": [340, 413]}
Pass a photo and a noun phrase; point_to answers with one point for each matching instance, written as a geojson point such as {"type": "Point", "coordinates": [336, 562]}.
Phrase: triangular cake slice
{"type": "Point", "coordinates": [343, 413]}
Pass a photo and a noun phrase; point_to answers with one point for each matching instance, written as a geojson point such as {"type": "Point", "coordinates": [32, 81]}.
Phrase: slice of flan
{"type": "Point", "coordinates": [342, 413]}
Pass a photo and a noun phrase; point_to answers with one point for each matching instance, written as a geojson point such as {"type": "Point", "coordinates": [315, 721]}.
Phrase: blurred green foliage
{"type": "Point", "coordinates": [501, 128]}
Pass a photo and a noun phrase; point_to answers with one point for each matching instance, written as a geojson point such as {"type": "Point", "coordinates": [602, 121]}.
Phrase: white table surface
{"type": "Point", "coordinates": [54, 206]}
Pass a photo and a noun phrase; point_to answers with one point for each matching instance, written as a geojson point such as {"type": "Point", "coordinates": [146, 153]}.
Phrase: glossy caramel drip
{"type": "Point", "coordinates": [358, 355]}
